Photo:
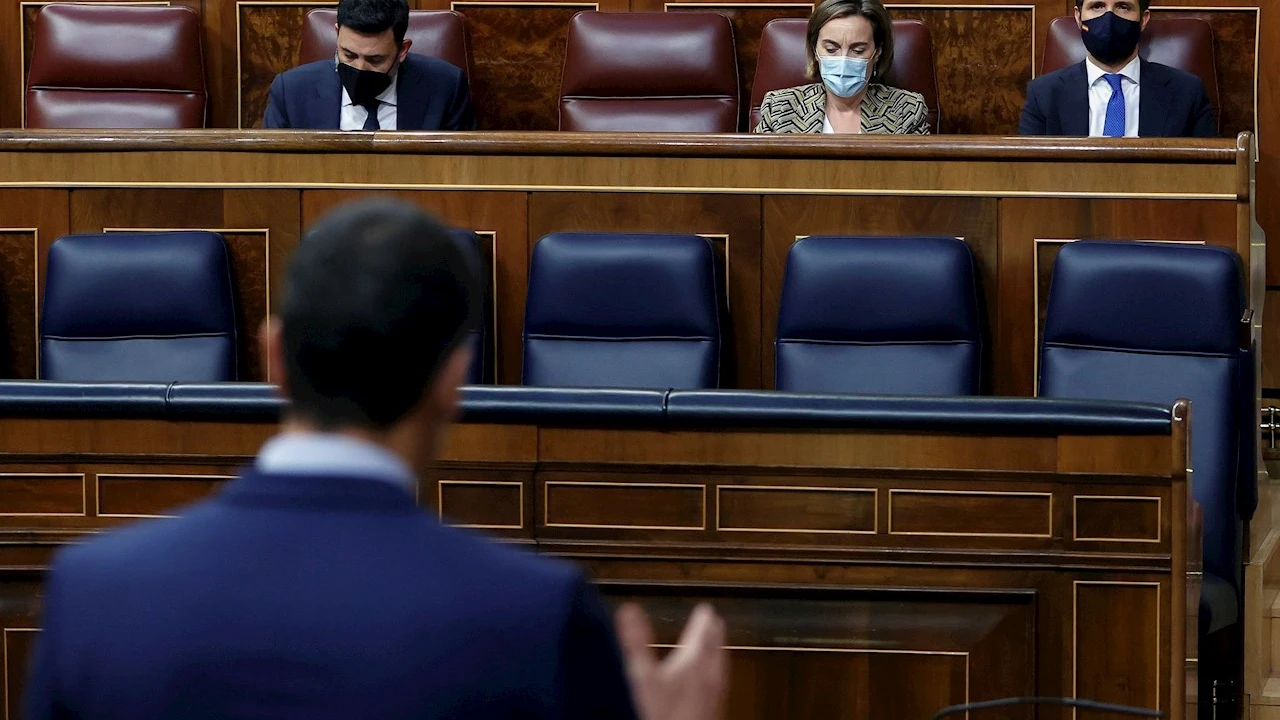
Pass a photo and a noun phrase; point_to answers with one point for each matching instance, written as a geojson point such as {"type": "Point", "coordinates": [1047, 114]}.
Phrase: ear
{"type": "Point", "coordinates": [1146, 18]}
{"type": "Point", "coordinates": [404, 49]}
{"type": "Point", "coordinates": [271, 344]}
{"type": "Point", "coordinates": [1078, 25]}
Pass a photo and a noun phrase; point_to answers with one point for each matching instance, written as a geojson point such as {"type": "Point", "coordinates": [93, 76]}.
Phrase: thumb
{"type": "Point", "coordinates": [635, 636]}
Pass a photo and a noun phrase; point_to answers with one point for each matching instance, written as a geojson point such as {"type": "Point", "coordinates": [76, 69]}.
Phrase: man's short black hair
{"type": "Point", "coordinates": [1143, 5]}
{"type": "Point", "coordinates": [378, 296]}
{"type": "Point", "coordinates": [375, 16]}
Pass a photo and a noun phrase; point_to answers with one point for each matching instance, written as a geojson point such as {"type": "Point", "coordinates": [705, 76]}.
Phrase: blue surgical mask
{"type": "Point", "coordinates": [844, 76]}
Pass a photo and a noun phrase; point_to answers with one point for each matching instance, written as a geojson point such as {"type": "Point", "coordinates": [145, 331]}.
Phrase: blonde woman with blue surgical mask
{"type": "Point", "coordinates": [850, 52]}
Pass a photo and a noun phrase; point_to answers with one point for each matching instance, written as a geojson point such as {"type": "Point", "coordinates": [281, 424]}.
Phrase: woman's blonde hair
{"type": "Point", "coordinates": [881, 31]}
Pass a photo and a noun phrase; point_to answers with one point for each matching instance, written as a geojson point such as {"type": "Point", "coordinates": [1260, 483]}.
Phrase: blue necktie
{"type": "Point", "coordinates": [371, 122]}
{"type": "Point", "coordinates": [1114, 124]}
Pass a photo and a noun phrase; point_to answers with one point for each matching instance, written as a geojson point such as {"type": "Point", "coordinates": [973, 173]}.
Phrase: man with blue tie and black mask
{"type": "Point", "coordinates": [374, 83]}
{"type": "Point", "coordinates": [1113, 92]}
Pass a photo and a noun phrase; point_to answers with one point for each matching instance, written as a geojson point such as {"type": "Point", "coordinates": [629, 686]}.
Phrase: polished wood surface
{"type": "Point", "coordinates": [863, 573]}
{"type": "Point", "coordinates": [1015, 201]}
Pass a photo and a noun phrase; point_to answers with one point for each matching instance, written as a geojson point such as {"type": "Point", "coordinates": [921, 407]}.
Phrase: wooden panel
{"type": "Point", "coordinates": [737, 219]}
{"type": "Point", "coordinates": [260, 226]}
{"type": "Point", "coordinates": [482, 504]}
{"type": "Point", "coordinates": [30, 220]}
{"type": "Point", "coordinates": [42, 494]}
{"type": "Point", "coordinates": [978, 98]}
{"type": "Point", "coordinates": [151, 495]}
{"type": "Point", "coordinates": [1117, 518]}
{"type": "Point", "coordinates": [786, 218]}
{"type": "Point", "coordinates": [499, 216]}
{"type": "Point", "coordinates": [796, 509]}
{"type": "Point", "coordinates": [19, 643]}
{"type": "Point", "coordinates": [1271, 338]}
{"type": "Point", "coordinates": [629, 505]}
{"type": "Point", "coordinates": [1029, 226]}
{"type": "Point", "coordinates": [267, 44]}
{"type": "Point", "coordinates": [970, 514]}
{"type": "Point", "coordinates": [1126, 669]}
{"type": "Point", "coordinates": [517, 57]}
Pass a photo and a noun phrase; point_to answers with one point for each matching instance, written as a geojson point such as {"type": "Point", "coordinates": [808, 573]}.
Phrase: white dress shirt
{"type": "Point", "coordinates": [353, 116]}
{"type": "Point", "coordinates": [1100, 95]}
{"type": "Point", "coordinates": [316, 453]}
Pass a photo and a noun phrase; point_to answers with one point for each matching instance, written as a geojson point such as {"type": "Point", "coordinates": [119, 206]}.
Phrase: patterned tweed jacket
{"type": "Point", "coordinates": [885, 111]}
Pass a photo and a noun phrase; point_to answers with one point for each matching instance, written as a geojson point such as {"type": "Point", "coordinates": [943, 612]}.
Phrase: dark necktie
{"type": "Point", "coordinates": [371, 122]}
{"type": "Point", "coordinates": [1114, 123]}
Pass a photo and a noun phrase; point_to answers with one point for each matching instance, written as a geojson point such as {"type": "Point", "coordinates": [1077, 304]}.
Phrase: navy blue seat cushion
{"type": "Point", "coordinates": [138, 307]}
{"type": "Point", "coordinates": [879, 315]}
{"type": "Point", "coordinates": [622, 310]}
{"type": "Point", "coordinates": [1154, 322]}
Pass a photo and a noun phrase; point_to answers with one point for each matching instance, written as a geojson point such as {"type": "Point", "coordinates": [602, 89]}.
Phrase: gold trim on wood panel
{"type": "Point", "coordinates": [1075, 518]}
{"type": "Point", "coordinates": [491, 483]}
{"type": "Point", "coordinates": [266, 240]}
{"type": "Point", "coordinates": [851, 192]}
{"type": "Point", "coordinates": [493, 295]}
{"type": "Point", "coordinates": [875, 502]}
{"type": "Point", "coordinates": [35, 254]}
{"type": "Point", "coordinates": [84, 493]}
{"type": "Point", "coordinates": [989, 493]}
{"type": "Point", "coordinates": [546, 492]}
{"type": "Point", "coordinates": [1035, 294]}
{"type": "Point", "coordinates": [152, 476]}
{"type": "Point", "coordinates": [239, 62]}
{"type": "Point", "coordinates": [4, 661]}
{"type": "Point", "coordinates": [1075, 632]}
{"type": "Point", "coordinates": [22, 40]}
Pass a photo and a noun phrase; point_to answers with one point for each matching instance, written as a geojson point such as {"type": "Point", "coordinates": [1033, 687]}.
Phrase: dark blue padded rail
{"type": "Point", "coordinates": [589, 407]}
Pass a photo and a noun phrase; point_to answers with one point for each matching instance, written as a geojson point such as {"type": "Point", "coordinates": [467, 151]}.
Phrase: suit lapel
{"type": "Point", "coordinates": [815, 111]}
{"type": "Point", "coordinates": [328, 103]}
{"type": "Point", "coordinates": [411, 100]}
{"type": "Point", "coordinates": [1153, 101]}
{"type": "Point", "coordinates": [1075, 102]}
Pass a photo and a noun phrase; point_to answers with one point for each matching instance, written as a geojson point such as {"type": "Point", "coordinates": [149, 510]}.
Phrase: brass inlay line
{"type": "Point", "coordinates": [1075, 517]}
{"type": "Point", "coordinates": [493, 296]}
{"type": "Point", "coordinates": [546, 508]}
{"type": "Point", "coordinates": [875, 504]}
{"type": "Point", "coordinates": [84, 493]}
{"type": "Point", "coordinates": [985, 493]}
{"type": "Point", "coordinates": [486, 483]}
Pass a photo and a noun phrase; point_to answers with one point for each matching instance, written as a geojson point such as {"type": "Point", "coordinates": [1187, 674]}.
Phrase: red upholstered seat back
{"type": "Point", "coordinates": [783, 56]}
{"type": "Point", "coordinates": [436, 33]}
{"type": "Point", "coordinates": [1184, 42]}
{"type": "Point", "coordinates": [116, 66]}
{"type": "Point", "coordinates": [650, 72]}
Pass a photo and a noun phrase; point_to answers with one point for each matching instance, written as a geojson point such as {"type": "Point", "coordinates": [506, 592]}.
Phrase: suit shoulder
{"type": "Point", "coordinates": [1050, 79]}
{"type": "Point", "coordinates": [484, 556]}
{"type": "Point", "coordinates": [791, 94]}
{"type": "Point", "coordinates": [434, 67]}
{"type": "Point", "coordinates": [311, 69]}
{"type": "Point", "coordinates": [1174, 75]}
{"type": "Point", "coordinates": [899, 97]}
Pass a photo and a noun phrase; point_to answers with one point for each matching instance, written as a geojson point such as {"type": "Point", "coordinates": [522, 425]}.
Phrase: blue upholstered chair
{"type": "Point", "coordinates": [138, 307]}
{"type": "Point", "coordinates": [622, 310]}
{"type": "Point", "coordinates": [1157, 322]}
{"type": "Point", "coordinates": [879, 315]}
{"type": "Point", "coordinates": [481, 337]}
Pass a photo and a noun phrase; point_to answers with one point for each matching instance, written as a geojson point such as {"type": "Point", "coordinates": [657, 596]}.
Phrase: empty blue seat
{"type": "Point", "coordinates": [481, 336]}
{"type": "Point", "coordinates": [153, 307]}
{"type": "Point", "coordinates": [879, 315]}
{"type": "Point", "coordinates": [622, 310]}
{"type": "Point", "coordinates": [1157, 322]}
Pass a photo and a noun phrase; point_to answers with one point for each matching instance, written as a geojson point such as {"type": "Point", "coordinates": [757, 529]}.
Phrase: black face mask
{"type": "Point", "coordinates": [1110, 38]}
{"type": "Point", "coordinates": [363, 86]}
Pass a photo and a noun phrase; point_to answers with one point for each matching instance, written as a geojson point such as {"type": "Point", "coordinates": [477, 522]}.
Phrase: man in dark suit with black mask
{"type": "Point", "coordinates": [1113, 92]}
{"type": "Point", "coordinates": [374, 82]}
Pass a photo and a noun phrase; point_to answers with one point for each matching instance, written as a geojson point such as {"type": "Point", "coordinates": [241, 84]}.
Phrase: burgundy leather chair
{"type": "Point", "coordinates": [650, 72]}
{"type": "Point", "coordinates": [116, 66]}
{"type": "Point", "coordinates": [439, 34]}
{"type": "Point", "coordinates": [783, 56]}
{"type": "Point", "coordinates": [1184, 42]}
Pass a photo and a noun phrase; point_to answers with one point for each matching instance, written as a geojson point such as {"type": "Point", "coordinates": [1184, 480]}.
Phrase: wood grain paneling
{"type": "Point", "coordinates": [42, 494]}
{"type": "Point", "coordinates": [1235, 39]}
{"type": "Point", "coordinates": [787, 218]}
{"type": "Point", "coordinates": [1124, 668]}
{"type": "Point", "coordinates": [517, 57]}
{"type": "Point", "coordinates": [1099, 518]}
{"type": "Point", "coordinates": [1024, 221]}
{"type": "Point", "coordinates": [30, 220]}
{"type": "Point", "coordinates": [481, 504]}
{"type": "Point", "coordinates": [151, 494]}
{"type": "Point", "coordinates": [624, 505]}
{"type": "Point", "coordinates": [18, 644]}
{"type": "Point", "coordinates": [736, 217]}
{"type": "Point", "coordinates": [983, 59]}
{"type": "Point", "coordinates": [970, 514]}
{"type": "Point", "coordinates": [267, 41]}
{"type": "Point", "coordinates": [500, 215]}
{"type": "Point", "coordinates": [750, 508]}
